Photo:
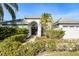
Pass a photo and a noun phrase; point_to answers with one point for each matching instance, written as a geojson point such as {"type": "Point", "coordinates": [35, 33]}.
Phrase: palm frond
{"type": "Point", "coordinates": [14, 5]}
{"type": "Point", "coordinates": [1, 13]}
{"type": "Point", "coordinates": [11, 11]}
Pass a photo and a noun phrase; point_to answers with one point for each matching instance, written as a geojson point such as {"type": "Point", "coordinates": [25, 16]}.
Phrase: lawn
{"type": "Point", "coordinates": [58, 53]}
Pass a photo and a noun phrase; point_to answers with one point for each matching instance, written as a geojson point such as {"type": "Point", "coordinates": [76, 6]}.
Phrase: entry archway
{"type": "Point", "coordinates": [34, 28]}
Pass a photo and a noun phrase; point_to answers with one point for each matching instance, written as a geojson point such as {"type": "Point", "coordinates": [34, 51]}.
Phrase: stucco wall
{"type": "Point", "coordinates": [29, 21]}
{"type": "Point", "coordinates": [71, 31]}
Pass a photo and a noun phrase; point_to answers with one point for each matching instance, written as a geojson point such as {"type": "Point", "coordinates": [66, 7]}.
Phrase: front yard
{"type": "Point", "coordinates": [15, 43]}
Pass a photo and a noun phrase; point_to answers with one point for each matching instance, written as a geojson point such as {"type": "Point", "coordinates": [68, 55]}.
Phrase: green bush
{"type": "Point", "coordinates": [39, 46]}
{"type": "Point", "coordinates": [13, 47]}
{"type": "Point", "coordinates": [26, 50]}
{"type": "Point", "coordinates": [51, 45]}
{"type": "Point", "coordinates": [46, 44]}
{"type": "Point", "coordinates": [31, 49]}
{"type": "Point", "coordinates": [10, 45]}
{"type": "Point", "coordinates": [21, 31]}
{"type": "Point", "coordinates": [55, 34]}
{"type": "Point", "coordinates": [19, 37]}
{"type": "Point", "coordinates": [67, 45]}
{"type": "Point", "coordinates": [8, 31]}
{"type": "Point", "coordinates": [9, 48]}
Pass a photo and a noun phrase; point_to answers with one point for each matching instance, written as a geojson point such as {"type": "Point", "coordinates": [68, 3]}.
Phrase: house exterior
{"type": "Point", "coordinates": [71, 27]}
{"type": "Point", "coordinates": [32, 23]}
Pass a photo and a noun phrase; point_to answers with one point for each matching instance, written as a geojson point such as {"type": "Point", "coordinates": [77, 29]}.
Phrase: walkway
{"type": "Point", "coordinates": [43, 54]}
{"type": "Point", "coordinates": [31, 39]}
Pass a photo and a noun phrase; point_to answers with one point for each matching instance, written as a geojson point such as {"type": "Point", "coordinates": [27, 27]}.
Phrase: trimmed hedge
{"type": "Point", "coordinates": [14, 47]}
{"type": "Point", "coordinates": [33, 48]}
{"type": "Point", "coordinates": [55, 34]}
{"type": "Point", "coordinates": [69, 45]}
{"type": "Point", "coordinates": [51, 45]}
{"type": "Point", "coordinates": [30, 49]}
{"type": "Point", "coordinates": [19, 37]}
{"type": "Point", "coordinates": [21, 31]}
{"type": "Point", "coordinates": [26, 50]}
{"type": "Point", "coordinates": [8, 31]}
{"type": "Point", "coordinates": [10, 45]}
{"type": "Point", "coordinates": [46, 44]}
{"type": "Point", "coordinates": [9, 48]}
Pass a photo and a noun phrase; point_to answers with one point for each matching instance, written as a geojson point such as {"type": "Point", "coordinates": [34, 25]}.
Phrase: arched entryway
{"type": "Point", "coordinates": [34, 28]}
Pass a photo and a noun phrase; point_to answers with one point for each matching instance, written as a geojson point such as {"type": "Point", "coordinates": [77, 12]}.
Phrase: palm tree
{"type": "Point", "coordinates": [11, 7]}
{"type": "Point", "coordinates": [46, 20]}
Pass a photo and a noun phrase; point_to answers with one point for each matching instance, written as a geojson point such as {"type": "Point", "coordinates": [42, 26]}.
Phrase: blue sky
{"type": "Point", "coordinates": [64, 10]}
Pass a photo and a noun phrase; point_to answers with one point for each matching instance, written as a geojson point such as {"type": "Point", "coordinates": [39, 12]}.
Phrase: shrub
{"type": "Point", "coordinates": [26, 50]}
{"type": "Point", "coordinates": [46, 44]}
{"type": "Point", "coordinates": [30, 49]}
{"type": "Point", "coordinates": [55, 34]}
{"type": "Point", "coordinates": [33, 48]}
{"type": "Point", "coordinates": [39, 46]}
{"type": "Point", "coordinates": [19, 37]}
{"type": "Point", "coordinates": [10, 45]}
{"type": "Point", "coordinates": [62, 46]}
{"type": "Point", "coordinates": [8, 31]}
{"type": "Point", "coordinates": [51, 45]}
{"type": "Point", "coordinates": [13, 47]}
{"type": "Point", "coordinates": [67, 46]}
{"type": "Point", "coordinates": [9, 48]}
{"type": "Point", "coordinates": [21, 31]}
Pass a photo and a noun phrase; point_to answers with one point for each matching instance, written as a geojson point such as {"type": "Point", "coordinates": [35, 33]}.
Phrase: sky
{"type": "Point", "coordinates": [57, 10]}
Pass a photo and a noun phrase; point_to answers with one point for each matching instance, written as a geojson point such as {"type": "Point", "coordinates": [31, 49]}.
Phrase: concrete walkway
{"type": "Point", "coordinates": [31, 39]}
{"type": "Point", "coordinates": [43, 54]}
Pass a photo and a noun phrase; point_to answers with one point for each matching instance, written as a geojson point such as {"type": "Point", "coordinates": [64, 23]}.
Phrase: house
{"type": "Point", "coordinates": [32, 23]}
{"type": "Point", "coordinates": [71, 27]}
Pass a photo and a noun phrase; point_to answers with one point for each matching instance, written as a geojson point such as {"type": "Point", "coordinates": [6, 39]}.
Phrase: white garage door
{"type": "Point", "coordinates": [71, 32]}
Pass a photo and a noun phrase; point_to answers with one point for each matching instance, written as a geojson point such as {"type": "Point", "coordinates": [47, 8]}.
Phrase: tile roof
{"type": "Point", "coordinates": [67, 20]}
{"type": "Point", "coordinates": [32, 17]}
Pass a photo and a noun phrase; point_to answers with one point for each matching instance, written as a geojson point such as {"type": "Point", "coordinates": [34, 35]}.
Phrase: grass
{"type": "Point", "coordinates": [58, 53]}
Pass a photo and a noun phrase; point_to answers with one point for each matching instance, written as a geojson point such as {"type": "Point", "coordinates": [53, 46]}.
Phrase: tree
{"type": "Point", "coordinates": [46, 21]}
{"type": "Point", "coordinates": [11, 7]}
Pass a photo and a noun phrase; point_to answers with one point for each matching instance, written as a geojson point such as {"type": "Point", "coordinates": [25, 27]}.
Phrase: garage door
{"type": "Point", "coordinates": [71, 32]}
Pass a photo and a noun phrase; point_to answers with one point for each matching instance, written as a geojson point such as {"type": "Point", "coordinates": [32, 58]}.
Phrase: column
{"type": "Point", "coordinates": [29, 27]}
{"type": "Point", "coordinates": [39, 30]}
